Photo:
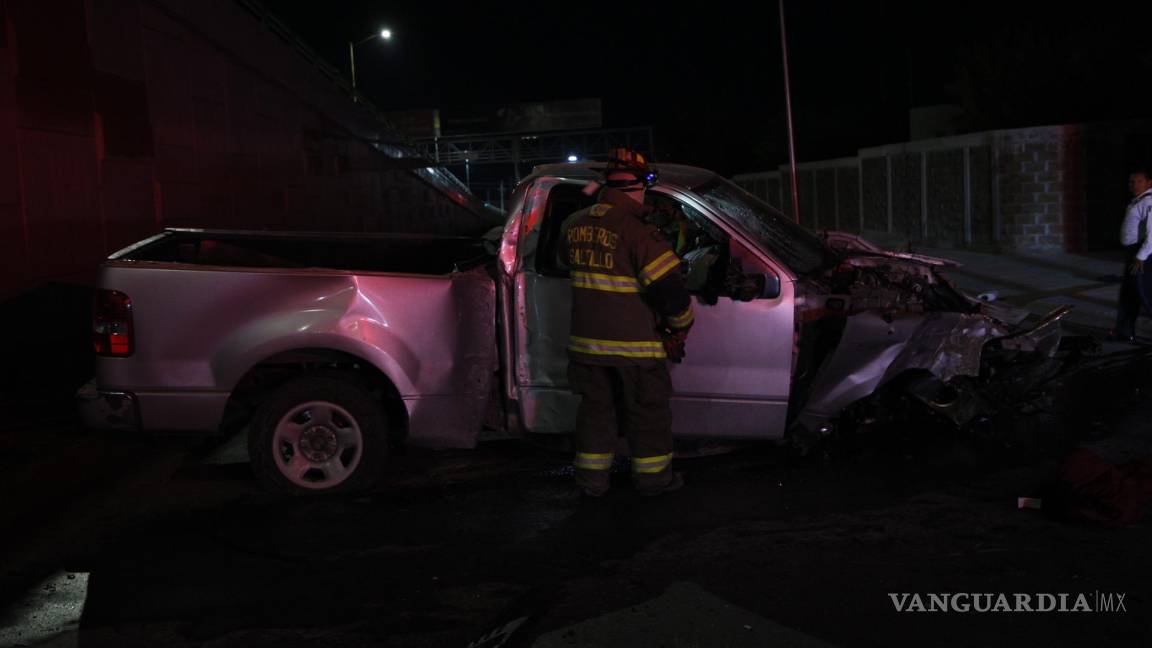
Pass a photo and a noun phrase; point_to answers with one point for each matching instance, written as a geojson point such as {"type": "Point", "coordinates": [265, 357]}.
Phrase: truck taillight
{"type": "Point", "coordinates": [112, 324]}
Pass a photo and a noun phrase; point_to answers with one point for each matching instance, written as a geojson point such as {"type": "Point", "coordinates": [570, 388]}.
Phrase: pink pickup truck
{"type": "Point", "coordinates": [327, 350]}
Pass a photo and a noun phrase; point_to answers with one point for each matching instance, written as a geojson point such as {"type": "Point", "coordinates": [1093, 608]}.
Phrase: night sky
{"type": "Point", "coordinates": [709, 79]}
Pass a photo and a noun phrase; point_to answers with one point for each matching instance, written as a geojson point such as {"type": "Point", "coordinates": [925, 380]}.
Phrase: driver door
{"type": "Point", "coordinates": [736, 377]}
{"type": "Point", "coordinates": [734, 382]}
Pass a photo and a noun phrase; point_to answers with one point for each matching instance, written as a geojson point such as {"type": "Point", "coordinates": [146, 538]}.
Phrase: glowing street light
{"type": "Point", "coordinates": [385, 34]}
{"type": "Point", "coordinates": [573, 158]}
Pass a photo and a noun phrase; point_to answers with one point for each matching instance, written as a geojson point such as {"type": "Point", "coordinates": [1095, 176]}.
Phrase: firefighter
{"type": "Point", "coordinates": [630, 315]}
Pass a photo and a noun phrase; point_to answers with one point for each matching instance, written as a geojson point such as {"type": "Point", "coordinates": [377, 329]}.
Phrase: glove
{"type": "Point", "coordinates": [674, 344]}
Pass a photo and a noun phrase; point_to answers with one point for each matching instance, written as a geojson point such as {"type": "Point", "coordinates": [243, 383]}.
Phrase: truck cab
{"type": "Point", "coordinates": [735, 381]}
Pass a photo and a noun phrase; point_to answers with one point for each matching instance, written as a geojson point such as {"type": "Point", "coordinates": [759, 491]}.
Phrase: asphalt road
{"type": "Point", "coordinates": [131, 541]}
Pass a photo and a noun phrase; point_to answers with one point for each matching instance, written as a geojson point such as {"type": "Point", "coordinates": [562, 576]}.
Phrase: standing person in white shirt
{"type": "Point", "coordinates": [1136, 237]}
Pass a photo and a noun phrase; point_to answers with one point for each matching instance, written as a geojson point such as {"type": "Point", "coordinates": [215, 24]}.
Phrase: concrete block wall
{"type": "Point", "coordinates": [1036, 192]}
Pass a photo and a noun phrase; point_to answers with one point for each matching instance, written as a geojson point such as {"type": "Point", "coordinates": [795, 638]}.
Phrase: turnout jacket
{"type": "Point", "coordinates": [627, 284]}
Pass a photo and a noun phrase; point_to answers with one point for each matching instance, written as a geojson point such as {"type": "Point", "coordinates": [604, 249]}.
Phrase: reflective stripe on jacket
{"type": "Point", "coordinates": [626, 283]}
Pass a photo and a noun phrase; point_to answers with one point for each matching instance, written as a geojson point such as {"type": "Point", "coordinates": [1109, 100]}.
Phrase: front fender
{"type": "Point", "coordinates": [874, 350]}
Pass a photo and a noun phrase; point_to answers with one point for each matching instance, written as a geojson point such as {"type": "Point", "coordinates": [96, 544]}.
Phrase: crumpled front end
{"type": "Point", "coordinates": [888, 321]}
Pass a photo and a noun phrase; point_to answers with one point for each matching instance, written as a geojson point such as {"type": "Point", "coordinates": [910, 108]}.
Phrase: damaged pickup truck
{"type": "Point", "coordinates": [331, 349]}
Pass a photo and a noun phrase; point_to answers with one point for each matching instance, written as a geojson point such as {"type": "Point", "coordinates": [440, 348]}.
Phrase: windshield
{"type": "Point", "coordinates": [796, 247]}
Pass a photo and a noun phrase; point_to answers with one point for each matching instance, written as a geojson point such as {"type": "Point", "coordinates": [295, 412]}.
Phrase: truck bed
{"type": "Point", "coordinates": [401, 253]}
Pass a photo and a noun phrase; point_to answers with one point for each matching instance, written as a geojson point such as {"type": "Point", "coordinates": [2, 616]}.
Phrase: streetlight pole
{"type": "Point", "coordinates": [386, 34]}
{"type": "Point", "coordinates": [791, 134]}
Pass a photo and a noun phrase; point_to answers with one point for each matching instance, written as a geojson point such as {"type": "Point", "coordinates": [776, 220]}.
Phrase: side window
{"type": "Point", "coordinates": [563, 201]}
{"type": "Point", "coordinates": [701, 245]}
{"type": "Point", "coordinates": [685, 228]}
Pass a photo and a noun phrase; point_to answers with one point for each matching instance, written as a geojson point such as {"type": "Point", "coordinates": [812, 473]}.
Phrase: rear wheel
{"type": "Point", "coordinates": [318, 434]}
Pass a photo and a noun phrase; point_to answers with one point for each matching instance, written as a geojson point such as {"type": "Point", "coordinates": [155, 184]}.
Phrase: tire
{"type": "Point", "coordinates": [318, 434]}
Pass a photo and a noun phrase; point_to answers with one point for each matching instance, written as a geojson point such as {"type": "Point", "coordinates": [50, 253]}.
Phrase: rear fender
{"type": "Point", "coordinates": [277, 333]}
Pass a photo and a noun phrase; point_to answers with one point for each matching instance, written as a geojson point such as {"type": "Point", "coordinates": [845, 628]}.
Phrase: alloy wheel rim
{"type": "Point", "coordinates": [317, 445]}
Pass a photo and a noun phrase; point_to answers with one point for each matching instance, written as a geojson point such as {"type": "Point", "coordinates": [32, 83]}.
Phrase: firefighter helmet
{"type": "Point", "coordinates": [623, 160]}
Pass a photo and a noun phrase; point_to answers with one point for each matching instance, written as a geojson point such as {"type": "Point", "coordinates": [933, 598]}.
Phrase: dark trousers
{"type": "Point", "coordinates": [1131, 297]}
{"type": "Point", "coordinates": [632, 400]}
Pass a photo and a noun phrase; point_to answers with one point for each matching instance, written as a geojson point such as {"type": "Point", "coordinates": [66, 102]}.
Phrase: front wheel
{"type": "Point", "coordinates": [318, 434]}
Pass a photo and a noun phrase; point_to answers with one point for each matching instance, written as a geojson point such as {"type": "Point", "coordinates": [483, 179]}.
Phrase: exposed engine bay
{"type": "Point", "coordinates": [877, 283]}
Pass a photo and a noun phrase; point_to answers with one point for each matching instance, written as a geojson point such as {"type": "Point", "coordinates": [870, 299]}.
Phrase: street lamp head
{"type": "Point", "coordinates": [386, 34]}
{"type": "Point", "coordinates": [573, 158]}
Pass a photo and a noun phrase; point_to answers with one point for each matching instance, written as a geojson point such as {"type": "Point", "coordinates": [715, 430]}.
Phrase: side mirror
{"type": "Point", "coordinates": [755, 286]}
{"type": "Point", "coordinates": [770, 283]}
{"type": "Point", "coordinates": [745, 287]}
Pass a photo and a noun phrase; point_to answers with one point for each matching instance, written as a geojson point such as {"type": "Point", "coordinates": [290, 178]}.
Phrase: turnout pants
{"type": "Point", "coordinates": [630, 400]}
